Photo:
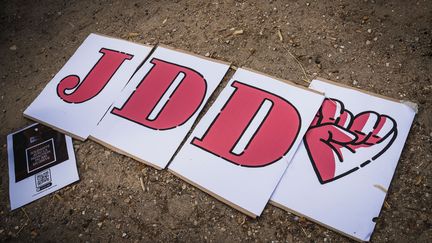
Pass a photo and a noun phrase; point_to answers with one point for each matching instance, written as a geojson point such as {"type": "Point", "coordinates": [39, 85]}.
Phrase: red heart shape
{"type": "Point", "coordinates": [335, 131]}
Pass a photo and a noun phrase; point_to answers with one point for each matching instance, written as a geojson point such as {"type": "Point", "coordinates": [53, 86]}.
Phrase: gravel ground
{"type": "Point", "coordinates": [379, 46]}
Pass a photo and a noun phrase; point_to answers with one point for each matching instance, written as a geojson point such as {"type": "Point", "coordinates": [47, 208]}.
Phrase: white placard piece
{"type": "Point", "coordinates": [78, 96]}
{"type": "Point", "coordinates": [241, 147]}
{"type": "Point", "coordinates": [340, 175]}
{"type": "Point", "coordinates": [41, 161]}
{"type": "Point", "coordinates": [159, 105]}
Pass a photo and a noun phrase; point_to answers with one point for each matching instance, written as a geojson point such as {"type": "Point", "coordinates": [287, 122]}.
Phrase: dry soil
{"type": "Point", "coordinates": [379, 46]}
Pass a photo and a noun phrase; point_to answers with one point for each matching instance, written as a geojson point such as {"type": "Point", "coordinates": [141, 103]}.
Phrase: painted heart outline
{"type": "Point", "coordinates": [339, 143]}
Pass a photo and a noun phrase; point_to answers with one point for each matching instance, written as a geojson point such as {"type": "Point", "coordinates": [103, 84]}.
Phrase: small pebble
{"type": "Point", "coordinates": [368, 42]}
{"type": "Point", "coordinates": [100, 224]}
{"type": "Point", "coordinates": [207, 54]}
{"type": "Point", "coordinates": [124, 235]}
{"type": "Point", "coordinates": [13, 48]}
{"type": "Point", "coordinates": [369, 30]}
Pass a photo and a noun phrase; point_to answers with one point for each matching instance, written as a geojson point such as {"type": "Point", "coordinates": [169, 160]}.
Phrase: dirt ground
{"type": "Point", "coordinates": [379, 46]}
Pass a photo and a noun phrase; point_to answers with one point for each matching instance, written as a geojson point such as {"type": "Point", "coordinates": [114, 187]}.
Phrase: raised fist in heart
{"type": "Point", "coordinates": [339, 143]}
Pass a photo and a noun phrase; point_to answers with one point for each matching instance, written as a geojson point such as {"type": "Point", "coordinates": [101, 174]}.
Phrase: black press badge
{"type": "Point", "coordinates": [36, 149]}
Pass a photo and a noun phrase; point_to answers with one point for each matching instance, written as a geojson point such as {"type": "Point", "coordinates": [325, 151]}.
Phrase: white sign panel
{"type": "Point", "coordinates": [340, 175]}
{"type": "Point", "coordinates": [41, 161]}
{"type": "Point", "coordinates": [77, 97]}
{"type": "Point", "coordinates": [159, 105]}
{"type": "Point", "coordinates": [242, 146]}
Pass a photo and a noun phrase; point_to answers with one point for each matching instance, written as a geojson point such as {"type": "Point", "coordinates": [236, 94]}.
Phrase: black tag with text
{"type": "Point", "coordinates": [36, 149]}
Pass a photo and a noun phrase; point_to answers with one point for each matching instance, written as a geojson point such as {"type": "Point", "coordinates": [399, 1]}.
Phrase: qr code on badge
{"type": "Point", "coordinates": [43, 180]}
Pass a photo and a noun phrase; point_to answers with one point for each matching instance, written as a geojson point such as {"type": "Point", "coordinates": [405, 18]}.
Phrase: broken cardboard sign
{"type": "Point", "coordinates": [241, 147]}
{"type": "Point", "coordinates": [77, 97]}
{"type": "Point", "coordinates": [347, 158]}
{"type": "Point", "coordinates": [41, 161]}
{"type": "Point", "coordinates": [158, 107]}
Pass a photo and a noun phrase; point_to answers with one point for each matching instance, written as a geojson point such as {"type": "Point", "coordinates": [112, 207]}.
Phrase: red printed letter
{"type": "Point", "coordinates": [166, 97]}
{"type": "Point", "coordinates": [269, 134]}
{"type": "Point", "coordinates": [95, 80]}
